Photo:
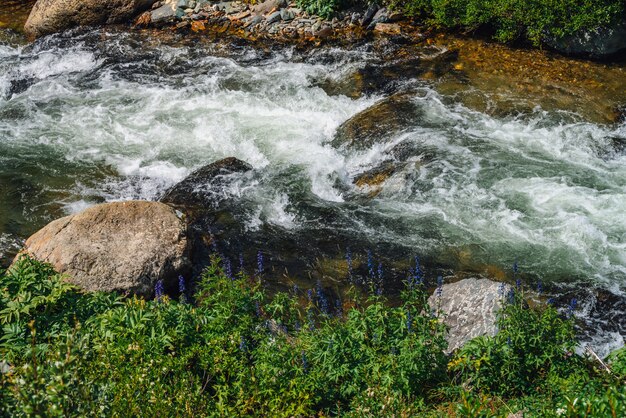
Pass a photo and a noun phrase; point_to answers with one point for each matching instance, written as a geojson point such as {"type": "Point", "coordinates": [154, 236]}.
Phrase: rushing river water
{"type": "Point", "coordinates": [88, 117]}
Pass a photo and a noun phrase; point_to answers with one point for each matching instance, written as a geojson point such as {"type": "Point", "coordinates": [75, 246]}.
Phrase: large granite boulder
{"type": "Point", "coordinates": [469, 308]}
{"type": "Point", "coordinates": [124, 246]}
{"type": "Point", "coordinates": [51, 16]}
{"type": "Point", "coordinates": [602, 42]}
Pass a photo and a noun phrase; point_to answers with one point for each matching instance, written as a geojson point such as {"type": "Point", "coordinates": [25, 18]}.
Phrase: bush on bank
{"type": "Point", "coordinates": [237, 351]}
{"type": "Point", "coordinates": [507, 20]}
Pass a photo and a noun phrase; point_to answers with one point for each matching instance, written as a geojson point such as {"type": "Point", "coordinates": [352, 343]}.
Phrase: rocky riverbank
{"type": "Point", "coordinates": [276, 19]}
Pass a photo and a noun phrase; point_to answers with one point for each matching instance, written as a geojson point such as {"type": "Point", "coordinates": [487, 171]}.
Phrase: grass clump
{"type": "Point", "coordinates": [236, 350]}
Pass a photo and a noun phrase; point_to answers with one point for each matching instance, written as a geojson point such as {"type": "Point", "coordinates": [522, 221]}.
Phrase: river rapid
{"type": "Point", "coordinates": [104, 115]}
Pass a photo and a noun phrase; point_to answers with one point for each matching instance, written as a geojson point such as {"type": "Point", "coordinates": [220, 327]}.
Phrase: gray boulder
{"type": "Point", "coordinates": [124, 246]}
{"type": "Point", "coordinates": [51, 16]}
{"type": "Point", "coordinates": [469, 308]}
{"type": "Point", "coordinates": [598, 43]}
{"type": "Point", "coordinates": [202, 188]}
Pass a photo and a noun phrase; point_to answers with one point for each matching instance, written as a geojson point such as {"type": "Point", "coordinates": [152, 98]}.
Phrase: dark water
{"type": "Point", "coordinates": [13, 13]}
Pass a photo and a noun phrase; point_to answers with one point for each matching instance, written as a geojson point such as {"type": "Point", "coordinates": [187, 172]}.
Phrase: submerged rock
{"type": "Point", "coordinates": [198, 188]}
{"type": "Point", "coordinates": [469, 308]}
{"type": "Point", "coordinates": [385, 119]}
{"type": "Point", "coordinates": [51, 16]}
{"type": "Point", "coordinates": [124, 246]}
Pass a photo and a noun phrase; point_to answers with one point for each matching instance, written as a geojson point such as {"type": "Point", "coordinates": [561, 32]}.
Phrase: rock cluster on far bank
{"type": "Point", "coordinates": [272, 18]}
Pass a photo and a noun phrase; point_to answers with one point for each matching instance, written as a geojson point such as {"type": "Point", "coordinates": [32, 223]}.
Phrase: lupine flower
{"type": "Point", "coordinates": [338, 308]}
{"type": "Point", "coordinates": [550, 301]}
{"type": "Point", "coordinates": [259, 263]}
{"type": "Point", "coordinates": [310, 319]}
{"type": "Point", "coordinates": [572, 307]}
{"type": "Point", "coordinates": [439, 290]}
{"type": "Point", "coordinates": [242, 344]}
{"type": "Point", "coordinates": [322, 300]}
{"type": "Point", "coordinates": [539, 287]}
{"type": "Point", "coordinates": [349, 262]}
{"type": "Point", "coordinates": [228, 269]}
{"type": "Point", "coordinates": [501, 290]}
{"type": "Point", "coordinates": [419, 273]}
{"type": "Point", "coordinates": [515, 267]}
{"type": "Point", "coordinates": [511, 296]}
{"type": "Point", "coordinates": [370, 264]}
{"type": "Point", "coordinates": [158, 290]}
{"type": "Point", "coordinates": [518, 284]}
{"type": "Point", "coordinates": [379, 284]}
{"type": "Point", "coordinates": [182, 289]}
{"type": "Point", "coordinates": [309, 295]}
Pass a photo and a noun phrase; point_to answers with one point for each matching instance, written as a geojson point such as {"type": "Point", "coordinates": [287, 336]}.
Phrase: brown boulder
{"type": "Point", "coordinates": [51, 16]}
{"type": "Point", "coordinates": [123, 246]}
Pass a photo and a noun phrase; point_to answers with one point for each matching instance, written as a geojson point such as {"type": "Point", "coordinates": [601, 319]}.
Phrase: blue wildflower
{"type": "Point", "coordinates": [571, 307]}
{"type": "Point", "coordinates": [228, 269]}
{"type": "Point", "coordinates": [322, 300]}
{"type": "Point", "coordinates": [539, 287]}
{"type": "Point", "coordinates": [511, 296]}
{"type": "Point", "coordinates": [418, 272]}
{"type": "Point", "coordinates": [349, 262]}
{"type": "Point", "coordinates": [257, 308]}
{"type": "Point", "coordinates": [158, 290]}
{"type": "Point", "coordinates": [370, 265]}
{"type": "Point", "coordinates": [242, 345]}
{"type": "Point", "coordinates": [181, 289]}
{"type": "Point", "coordinates": [259, 263]}
{"type": "Point", "coordinates": [501, 290]}
{"type": "Point", "coordinates": [338, 308]}
{"type": "Point", "coordinates": [439, 290]}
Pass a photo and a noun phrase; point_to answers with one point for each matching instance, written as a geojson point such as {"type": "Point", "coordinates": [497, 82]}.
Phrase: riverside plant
{"type": "Point", "coordinates": [236, 350]}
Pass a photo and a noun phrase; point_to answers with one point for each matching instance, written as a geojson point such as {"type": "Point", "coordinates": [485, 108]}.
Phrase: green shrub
{"type": "Point", "coordinates": [531, 347]}
{"type": "Point", "coordinates": [513, 19]}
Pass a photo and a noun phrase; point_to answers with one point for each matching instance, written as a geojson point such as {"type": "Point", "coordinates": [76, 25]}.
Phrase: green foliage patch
{"type": "Point", "coordinates": [239, 351]}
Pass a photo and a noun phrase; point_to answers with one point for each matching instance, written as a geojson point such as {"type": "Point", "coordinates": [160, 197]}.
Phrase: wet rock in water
{"type": "Point", "coordinates": [51, 16]}
{"type": "Point", "coordinates": [598, 43]}
{"type": "Point", "coordinates": [383, 120]}
{"type": "Point", "coordinates": [469, 309]}
{"type": "Point", "coordinates": [124, 246]}
{"type": "Point", "coordinates": [199, 188]}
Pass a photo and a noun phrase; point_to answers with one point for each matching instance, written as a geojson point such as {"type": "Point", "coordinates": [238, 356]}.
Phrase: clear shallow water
{"type": "Point", "coordinates": [101, 116]}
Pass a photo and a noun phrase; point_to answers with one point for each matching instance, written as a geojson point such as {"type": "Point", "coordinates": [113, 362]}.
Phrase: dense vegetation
{"type": "Point", "coordinates": [232, 350]}
{"type": "Point", "coordinates": [507, 20]}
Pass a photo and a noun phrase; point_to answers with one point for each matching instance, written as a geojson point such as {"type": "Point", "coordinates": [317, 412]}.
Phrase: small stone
{"type": "Point", "coordinates": [287, 15]}
{"type": "Point", "coordinates": [273, 18]}
{"type": "Point", "coordinates": [325, 32]}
